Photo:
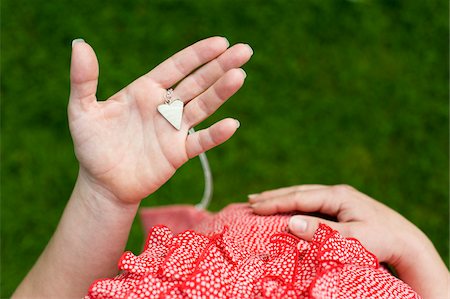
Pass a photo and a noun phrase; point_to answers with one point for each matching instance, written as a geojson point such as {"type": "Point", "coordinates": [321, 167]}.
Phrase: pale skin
{"type": "Point", "coordinates": [383, 231]}
{"type": "Point", "coordinates": [126, 151]}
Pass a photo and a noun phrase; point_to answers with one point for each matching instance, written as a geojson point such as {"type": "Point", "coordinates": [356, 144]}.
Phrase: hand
{"type": "Point", "coordinates": [379, 228]}
{"type": "Point", "coordinates": [384, 232]}
{"type": "Point", "coordinates": [125, 147]}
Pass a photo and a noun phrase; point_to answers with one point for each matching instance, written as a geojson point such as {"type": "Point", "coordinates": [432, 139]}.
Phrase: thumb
{"type": "Point", "coordinates": [83, 73]}
{"type": "Point", "coordinates": [304, 227]}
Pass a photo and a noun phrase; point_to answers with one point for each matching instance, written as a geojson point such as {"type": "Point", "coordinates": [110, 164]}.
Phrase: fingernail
{"type": "Point", "coordinates": [228, 43]}
{"type": "Point", "coordinates": [254, 205]}
{"type": "Point", "coordinates": [245, 74]}
{"type": "Point", "coordinates": [251, 50]}
{"type": "Point", "coordinates": [251, 196]}
{"type": "Point", "coordinates": [77, 40]}
{"type": "Point", "coordinates": [298, 224]}
{"type": "Point", "coordinates": [238, 124]}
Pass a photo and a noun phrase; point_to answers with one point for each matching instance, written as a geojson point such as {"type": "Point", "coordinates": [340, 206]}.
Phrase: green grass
{"type": "Point", "coordinates": [337, 92]}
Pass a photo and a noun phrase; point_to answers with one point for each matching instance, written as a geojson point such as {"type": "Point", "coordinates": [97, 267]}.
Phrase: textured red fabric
{"type": "Point", "coordinates": [236, 254]}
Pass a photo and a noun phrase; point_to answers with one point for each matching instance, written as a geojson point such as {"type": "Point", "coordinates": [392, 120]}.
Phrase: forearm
{"type": "Point", "coordinates": [86, 245]}
{"type": "Point", "coordinates": [423, 269]}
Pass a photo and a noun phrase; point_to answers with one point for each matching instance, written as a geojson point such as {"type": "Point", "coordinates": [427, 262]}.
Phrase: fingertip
{"type": "Point", "coordinates": [84, 72]}
{"type": "Point", "coordinates": [228, 126]}
{"type": "Point", "coordinates": [258, 197]}
{"type": "Point", "coordinates": [250, 49]}
{"type": "Point", "coordinates": [254, 206]}
{"type": "Point", "coordinates": [261, 208]}
{"type": "Point", "coordinates": [226, 40]}
{"type": "Point", "coordinates": [243, 72]}
{"type": "Point", "coordinates": [298, 225]}
{"type": "Point", "coordinates": [302, 227]}
{"type": "Point", "coordinates": [79, 45]}
{"type": "Point", "coordinates": [237, 123]}
{"type": "Point", "coordinates": [84, 65]}
{"type": "Point", "coordinates": [213, 136]}
{"type": "Point", "coordinates": [239, 54]}
{"type": "Point", "coordinates": [244, 50]}
{"type": "Point", "coordinates": [218, 43]}
{"type": "Point", "coordinates": [76, 41]}
{"type": "Point", "coordinates": [235, 79]}
{"type": "Point", "coordinates": [252, 197]}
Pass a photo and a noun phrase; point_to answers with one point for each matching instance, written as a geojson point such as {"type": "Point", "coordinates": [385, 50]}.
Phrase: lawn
{"type": "Point", "coordinates": [337, 91]}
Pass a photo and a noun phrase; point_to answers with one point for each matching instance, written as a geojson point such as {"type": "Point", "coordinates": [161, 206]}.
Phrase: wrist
{"type": "Point", "coordinates": [410, 247]}
{"type": "Point", "coordinates": [86, 245]}
{"type": "Point", "coordinates": [98, 197]}
{"type": "Point", "coordinates": [420, 266]}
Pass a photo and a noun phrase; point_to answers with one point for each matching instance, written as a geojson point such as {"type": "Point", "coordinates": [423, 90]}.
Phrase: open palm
{"type": "Point", "coordinates": [123, 144]}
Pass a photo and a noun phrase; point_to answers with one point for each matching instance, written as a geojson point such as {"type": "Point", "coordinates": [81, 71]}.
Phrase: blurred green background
{"type": "Point", "coordinates": [337, 91]}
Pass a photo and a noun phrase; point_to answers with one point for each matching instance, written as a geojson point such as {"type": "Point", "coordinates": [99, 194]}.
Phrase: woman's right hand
{"type": "Point", "coordinates": [383, 231]}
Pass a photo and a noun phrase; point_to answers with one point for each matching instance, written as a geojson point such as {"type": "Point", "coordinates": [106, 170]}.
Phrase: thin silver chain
{"type": "Point", "coordinates": [168, 97]}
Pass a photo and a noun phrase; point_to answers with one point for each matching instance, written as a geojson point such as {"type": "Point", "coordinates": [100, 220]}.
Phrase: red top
{"type": "Point", "coordinates": [237, 254]}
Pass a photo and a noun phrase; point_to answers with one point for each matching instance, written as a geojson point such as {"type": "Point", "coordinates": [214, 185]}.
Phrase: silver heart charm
{"type": "Point", "coordinates": [173, 112]}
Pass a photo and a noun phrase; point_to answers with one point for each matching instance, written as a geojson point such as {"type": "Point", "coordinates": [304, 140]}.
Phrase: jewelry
{"type": "Point", "coordinates": [172, 109]}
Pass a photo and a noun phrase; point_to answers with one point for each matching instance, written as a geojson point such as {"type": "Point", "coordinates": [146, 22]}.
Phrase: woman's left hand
{"type": "Point", "coordinates": [125, 147]}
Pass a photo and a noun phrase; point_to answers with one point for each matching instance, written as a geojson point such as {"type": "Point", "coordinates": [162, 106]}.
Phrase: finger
{"type": "Point", "coordinates": [304, 227]}
{"type": "Point", "coordinates": [184, 62]}
{"type": "Point", "coordinates": [206, 139]}
{"type": "Point", "coordinates": [203, 78]}
{"type": "Point", "coordinates": [252, 198]}
{"type": "Point", "coordinates": [205, 104]}
{"type": "Point", "coordinates": [83, 74]}
{"type": "Point", "coordinates": [325, 200]}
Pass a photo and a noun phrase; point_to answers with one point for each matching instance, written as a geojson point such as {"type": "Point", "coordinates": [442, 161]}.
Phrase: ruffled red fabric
{"type": "Point", "coordinates": [236, 254]}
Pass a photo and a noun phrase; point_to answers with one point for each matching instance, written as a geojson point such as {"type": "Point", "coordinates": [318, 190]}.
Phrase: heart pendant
{"type": "Point", "coordinates": [173, 112]}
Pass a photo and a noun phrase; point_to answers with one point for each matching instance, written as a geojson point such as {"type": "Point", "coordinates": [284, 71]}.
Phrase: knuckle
{"type": "Point", "coordinates": [349, 231]}
{"type": "Point", "coordinates": [295, 200]}
{"type": "Point", "coordinates": [221, 65]}
{"type": "Point", "coordinates": [298, 188]}
{"type": "Point", "coordinates": [341, 190]}
{"type": "Point", "coordinates": [277, 205]}
{"type": "Point", "coordinates": [219, 89]}
{"type": "Point", "coordinates": [212, 138]}
{"type": "Point", "coordinates": [201, 80]}
{"type": "Point", "coordinates": [203, 107]}
{"type": "Point", "coordinates": [189, 119]}
{"type": "Point", "coordinates": [347, 187]}
{"type": "Point", "coordinates": [296, 195]}
{"type": "Point", "coordinates": [181, 66]}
